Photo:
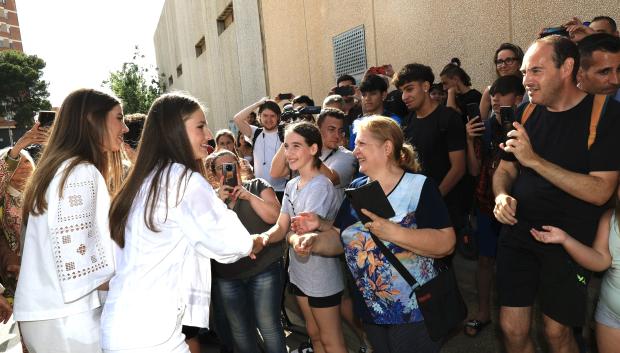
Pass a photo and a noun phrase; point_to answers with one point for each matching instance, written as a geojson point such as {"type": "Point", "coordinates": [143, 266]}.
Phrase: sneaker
{"type": "Point", "coordinates": [305, 347]}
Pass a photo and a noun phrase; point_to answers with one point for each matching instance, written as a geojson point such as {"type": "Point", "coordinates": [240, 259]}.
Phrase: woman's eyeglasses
{"type": "Point", "coordinates": [507, 61]}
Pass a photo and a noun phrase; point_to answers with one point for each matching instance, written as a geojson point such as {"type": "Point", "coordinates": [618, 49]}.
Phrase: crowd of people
{"type": "Point", "coordinates": [131, 233]}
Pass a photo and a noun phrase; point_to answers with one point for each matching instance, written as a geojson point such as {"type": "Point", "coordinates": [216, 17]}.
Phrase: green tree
{"type": "Point", "coordinates": [131, 84]}
{"type": "Point", "coordinates": [22, 89]}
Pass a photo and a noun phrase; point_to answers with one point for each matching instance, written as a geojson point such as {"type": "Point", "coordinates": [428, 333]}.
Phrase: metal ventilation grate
{"type": "Point", "coordinates": [350, 52]}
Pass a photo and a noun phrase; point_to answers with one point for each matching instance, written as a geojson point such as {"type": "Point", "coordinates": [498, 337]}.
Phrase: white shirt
{"type": "Point", "coordinates": [149, 291]}
{"type": "Point", "coordinates": [266, 146]}
{"type": "Point", "coordinates": [342, 161]}
{"type": "Point", "coordinates": [67, 251]}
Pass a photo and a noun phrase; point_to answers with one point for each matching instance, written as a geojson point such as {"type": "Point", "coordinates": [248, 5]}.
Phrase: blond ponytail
{"type": "Point", "coordinates": [409, 159]}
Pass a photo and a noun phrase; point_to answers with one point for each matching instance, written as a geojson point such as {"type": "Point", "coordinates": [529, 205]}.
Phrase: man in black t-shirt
{"type": "Point", "coordinates": [437, 133]}
{"type": "Point", "coordinates": [556, 179]}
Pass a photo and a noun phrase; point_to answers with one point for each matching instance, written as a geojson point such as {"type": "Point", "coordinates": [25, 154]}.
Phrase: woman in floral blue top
{"type": "Point", "coordinates": [419, 232]}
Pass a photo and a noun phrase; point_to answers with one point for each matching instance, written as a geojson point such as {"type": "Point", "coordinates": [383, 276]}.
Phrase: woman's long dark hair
{"type": "Point", "coordinates": [164, 141]}
{"type": "Point", "coordinates": [79, 132]}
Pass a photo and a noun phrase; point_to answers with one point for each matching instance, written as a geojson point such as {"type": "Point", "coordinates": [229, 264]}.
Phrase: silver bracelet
{"type": "Point", "coordinates": [8, 155]}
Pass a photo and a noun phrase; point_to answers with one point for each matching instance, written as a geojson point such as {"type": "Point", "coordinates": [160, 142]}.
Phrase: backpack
{"type": "Point", "coordinates": [260, 130]}
{"type": "Point", "coordinates": [598, 109]}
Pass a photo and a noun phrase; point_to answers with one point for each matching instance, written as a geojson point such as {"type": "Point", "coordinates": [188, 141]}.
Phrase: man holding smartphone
{"type": "Point", "coordinates": [483, 156]}
{"type": "Point", "coordinates": [352, 108]}
{"type": "Point", "coordinates": [551, 176]}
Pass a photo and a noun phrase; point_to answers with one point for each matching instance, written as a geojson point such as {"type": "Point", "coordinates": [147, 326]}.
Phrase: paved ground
{"type": "Point", "coordinates": [488, 341]}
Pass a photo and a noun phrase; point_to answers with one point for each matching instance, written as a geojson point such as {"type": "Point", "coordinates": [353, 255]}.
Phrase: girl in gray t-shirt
{"type": "Point", "coordinates": [316, 280]}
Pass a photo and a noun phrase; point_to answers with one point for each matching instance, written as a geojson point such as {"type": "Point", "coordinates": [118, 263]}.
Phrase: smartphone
{"type": "Point", "coordinates": [285, 96]}
{"type": "Point", "coordinates": [230, 174]}
{"type": "Point", "coordinates": [345, 91]}
{"type": "Point", "coordinates": [310, 110]}
{"type": "Point", "coordinates": [507, 114]}
{"type": "Point", "coordinates": [561, 31]}
{"type": "Point", "coordinates": [46, 118]}
{"type": "Point", "coordinates": [473, 110]}
{"type": "Point", "coordinates": [376, 70]}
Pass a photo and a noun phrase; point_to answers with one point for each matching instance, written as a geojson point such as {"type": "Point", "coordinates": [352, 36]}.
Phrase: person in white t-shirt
{"type": "Point", "coordinates": [169, 223]}
{"type": "Point", "coordinates": [337, 158]}
{"type": "Point", "coordinates": [266, 140]}
{"type": "Point", "coordinates": [67, 251]}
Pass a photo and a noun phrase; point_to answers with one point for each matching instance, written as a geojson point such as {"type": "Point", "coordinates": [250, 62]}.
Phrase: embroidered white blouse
{"type": "Point", "coordinates": [150, 292]}
{"type": "Point", "coordinates": [67, 251]}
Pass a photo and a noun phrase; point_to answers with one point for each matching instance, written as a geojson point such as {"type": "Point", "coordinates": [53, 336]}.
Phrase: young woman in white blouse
{"type": "Point", "coordinates": [169, 223]}
{"type": "Point", "coordinates": [67, 250]}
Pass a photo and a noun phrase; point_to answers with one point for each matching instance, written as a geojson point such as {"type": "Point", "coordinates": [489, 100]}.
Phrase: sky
{"type": "Point", "coordinates": [82, 41]}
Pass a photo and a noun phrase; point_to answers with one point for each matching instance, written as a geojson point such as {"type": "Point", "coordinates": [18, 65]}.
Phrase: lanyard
{"type": "Point", "coordinates": [329, 155]}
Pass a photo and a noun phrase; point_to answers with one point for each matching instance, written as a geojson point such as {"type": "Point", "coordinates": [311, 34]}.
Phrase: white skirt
{"type": "Point", "coordinates": [176, 344]}
{"type": "Point", "coordinates": [77, 333]}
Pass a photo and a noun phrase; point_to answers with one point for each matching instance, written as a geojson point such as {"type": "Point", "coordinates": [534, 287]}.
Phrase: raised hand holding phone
{"type": "Point", "coordinates": [474, 128]}
{"type": "Point", "coordinates": [519, 144]}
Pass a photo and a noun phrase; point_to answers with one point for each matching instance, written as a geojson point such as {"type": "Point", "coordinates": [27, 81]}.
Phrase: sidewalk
{"type": "Point", "coordinates": [487, 341]}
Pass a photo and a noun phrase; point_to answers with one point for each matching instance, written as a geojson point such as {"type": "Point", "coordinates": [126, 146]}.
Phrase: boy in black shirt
{"type": "Point", "coordinates": [556, 179]}
{"type": "Point", "coordinates": [437, 133]}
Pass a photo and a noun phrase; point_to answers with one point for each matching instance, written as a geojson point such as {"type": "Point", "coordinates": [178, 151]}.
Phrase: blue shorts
{"type": "Point", "coordinates": [487, 234]}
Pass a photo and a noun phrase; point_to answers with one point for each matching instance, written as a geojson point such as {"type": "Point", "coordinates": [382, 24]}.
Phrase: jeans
{"type": "Point", "coordinates": [254, 303]}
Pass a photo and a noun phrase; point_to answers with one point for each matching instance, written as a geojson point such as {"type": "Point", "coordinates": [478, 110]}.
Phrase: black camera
{"type": "Point", "coordinates": [291, 115]}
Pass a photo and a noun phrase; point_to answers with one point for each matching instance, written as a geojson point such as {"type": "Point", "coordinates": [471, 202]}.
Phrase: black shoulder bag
{"type": "Point", "coordinates": [439, 299]}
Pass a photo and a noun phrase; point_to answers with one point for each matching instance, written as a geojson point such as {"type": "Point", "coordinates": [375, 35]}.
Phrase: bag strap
{"type": "Point", "coordinates": [598, 109]}
{"type": "Point", "coordinates": [392, 259]}
{"type": "Point", "coordinates": [527, 112]}
{"type": "Point", "coordinates": [256, 134]}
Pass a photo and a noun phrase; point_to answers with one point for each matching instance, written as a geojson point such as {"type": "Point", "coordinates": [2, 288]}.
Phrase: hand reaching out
{"type": "Point", "coordinates": [258, 245]}
{"type": "Point", "coordinates": [305, 222]}
{"type": "Point", "coordinates": [550, 235]}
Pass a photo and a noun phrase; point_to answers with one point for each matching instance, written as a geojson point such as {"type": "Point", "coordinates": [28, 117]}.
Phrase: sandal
{"type": "Point", "coordinates": [473, 327]}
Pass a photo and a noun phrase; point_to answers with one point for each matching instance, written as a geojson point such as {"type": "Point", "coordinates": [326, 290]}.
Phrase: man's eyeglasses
{"type": "Point", "coordinates": [507, 61]}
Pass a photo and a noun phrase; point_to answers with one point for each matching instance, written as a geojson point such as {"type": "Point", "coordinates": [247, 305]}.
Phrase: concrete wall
{"type": "Point", "coordinates": [298, 34]}
{"type": "Point", "coordinates": [229, 74]}
{"type": "Point", "coordinates": [278, 46]}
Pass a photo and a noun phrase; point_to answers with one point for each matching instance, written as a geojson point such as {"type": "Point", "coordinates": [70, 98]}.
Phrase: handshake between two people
{"type": "Point", "coordinates": [304, 229]}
